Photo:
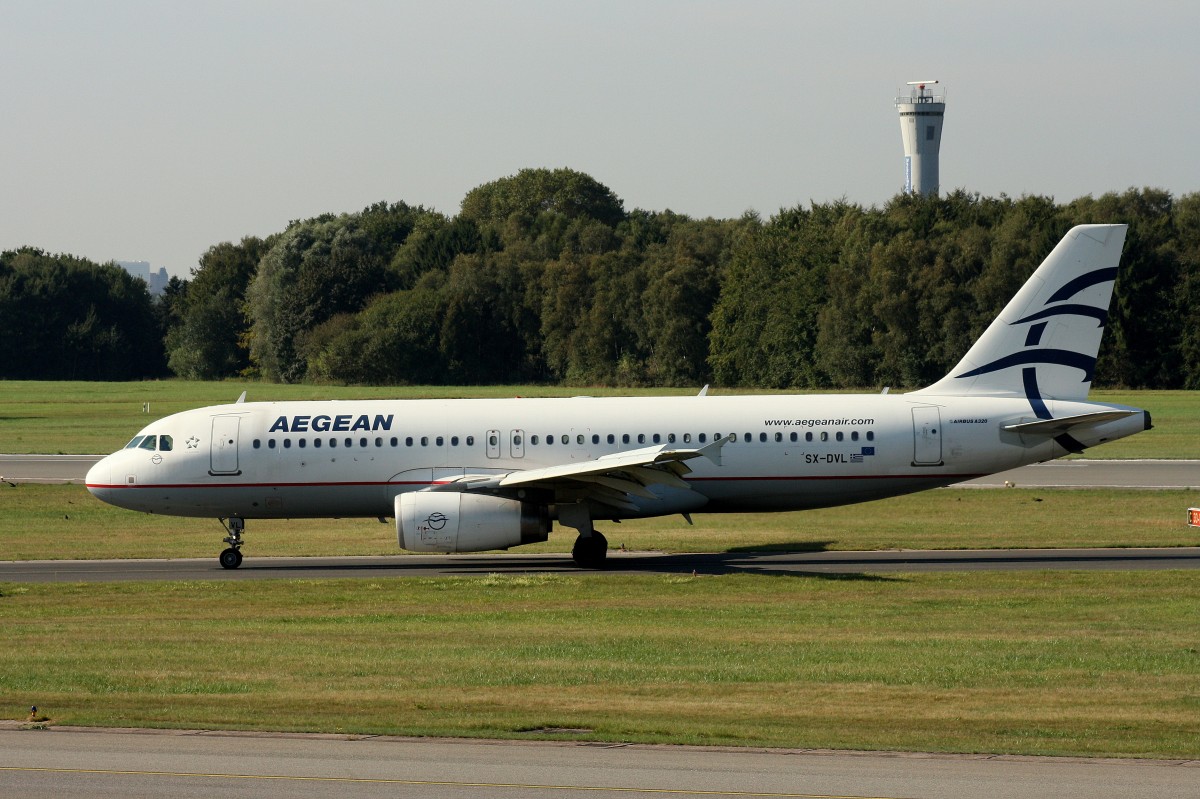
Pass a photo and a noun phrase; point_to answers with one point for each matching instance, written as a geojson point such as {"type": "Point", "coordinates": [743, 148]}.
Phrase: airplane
{"type": "Point", "coordinates": [469, 475]}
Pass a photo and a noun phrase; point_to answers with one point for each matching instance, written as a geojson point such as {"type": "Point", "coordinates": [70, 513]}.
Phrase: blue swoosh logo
{"type": "Point", "coordinates": [1060, 357]}
{"type": "Point", "coordinates": [1082, 282]}
{"type": "Point", "coordinates": [1099, 314]}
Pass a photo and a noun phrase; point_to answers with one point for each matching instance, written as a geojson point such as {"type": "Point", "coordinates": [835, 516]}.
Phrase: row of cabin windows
{"type": "Point", "coordinates": [626, 438]}
{"type": "Point", "coordinates": [424, 441]}
{"type": "Point", "coordinates": [701, 438]}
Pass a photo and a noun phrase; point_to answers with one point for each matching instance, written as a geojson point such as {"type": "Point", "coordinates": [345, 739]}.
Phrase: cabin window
{"type": "Point", "coordinates": [408, 441]}
{"type": "Point", "coordinates": [567, 439]}
{"type": "Point", "coordinates": [624, 438]}
{"type": "Point", "coordinates": [824, 436]}
{"type": "Point", "coordinates": [595, 438]}
{"type": "Point", "coordinates": [687, 438]}
{"type": "Point", "coordinates": [533, 440]}
{"type": "Point", "coordinates": [332, 442]}
{"type": "Point", "coordinates": [840, 435]}
{"type": "Point", "coordinates": [454, 441]}
{"type": "Point", "coordinates": [424, 441]}
{"type": "Point", "coordinates": [611, 439]}
{"type": "Point", "coordinates": [257, 444]}
{"type": "Point", "coordinates": [762, 437]}
{"type": "Point", "coordinates": [579, 439]}
{"type": "Point", "coordinates": [492, 441]}
{"type": "Point", "coordinates": [778, 437]}
{"type": "Point", "coordinates": [808, 436]}
{"type": "Point", "coordinates": [854, 435]}
{"type": "Point", "coordinates": [287, 443]}
{"type": "Point", "coordinates": [317, 443]}
{"type": "Point", "coordinates": [549, 439]}
{"type": "Point", "coordinates": [303, 443]}
{"type": "Point", "coordinates": [748, 438]}
{"type": "Point", "coordinates": [470, 441]}
{"type": "Point", "coordinates": [701, 438]}
{"type": "Point", "coordinates": [870, 435]}
{"type": "Point", "coordinates": [670, 438]}
{"type": "Point", "coordinates": [350, 442]}
{"type": "Point", "coordinates": [441, 441]}
{"type": "Point", "coordinates": [641, 438]}
{"type": "Point", "coordinates": [379, 442]}
{"type": "Point", "coordinates": [395, 442]}
{"type": "Point", "coordinates": [794, 437]}
{"type": "Point", "coordinates": [657, 438]}
{"type": "Point", "coordinates": [270, 443]}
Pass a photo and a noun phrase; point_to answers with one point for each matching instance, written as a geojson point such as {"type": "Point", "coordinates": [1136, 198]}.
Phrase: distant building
{"type": "Point", "coordinates": [157, 281]}
{"type": "Point", "coordinates": [921, 128]}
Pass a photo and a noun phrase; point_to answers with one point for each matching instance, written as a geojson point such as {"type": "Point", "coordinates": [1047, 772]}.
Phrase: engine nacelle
{"type": "Point", "coordinates": [453, 521]}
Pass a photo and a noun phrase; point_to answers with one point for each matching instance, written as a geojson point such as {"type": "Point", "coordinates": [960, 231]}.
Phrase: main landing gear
{"type": "Point", "coordinates": [590, 551]}
{"type": "Point", "coordinates": [232, 558]}
{"type": "Point", "coordinates": [591, 547]}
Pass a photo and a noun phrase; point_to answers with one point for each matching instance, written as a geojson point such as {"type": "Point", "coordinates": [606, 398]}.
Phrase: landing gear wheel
{"type": "Point", "coordinates": [231, 558]}
{"type": "Point", "coordinates": [590, 551]}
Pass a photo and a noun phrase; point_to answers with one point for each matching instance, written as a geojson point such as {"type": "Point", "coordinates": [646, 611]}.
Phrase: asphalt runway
{"type": "Point", "coordinates": [813, 564]}
{"type": "Point", "coordinates": [79, 762]}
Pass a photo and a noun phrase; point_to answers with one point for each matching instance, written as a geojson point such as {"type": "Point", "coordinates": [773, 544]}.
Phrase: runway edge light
{"type": "Point", "coordinates": [1193, 517]}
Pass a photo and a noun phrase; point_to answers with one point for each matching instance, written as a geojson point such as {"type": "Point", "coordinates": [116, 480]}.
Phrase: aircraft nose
{"type": "Point", "coordinates": [98, 476]}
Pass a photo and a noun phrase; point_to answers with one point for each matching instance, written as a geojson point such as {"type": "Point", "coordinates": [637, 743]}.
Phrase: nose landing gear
{"type": "Point", "coordinates": [231, 558]}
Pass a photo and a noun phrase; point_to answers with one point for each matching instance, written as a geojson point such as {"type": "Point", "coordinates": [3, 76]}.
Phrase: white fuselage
{"type": "Point", "coordinates": [352, 458]}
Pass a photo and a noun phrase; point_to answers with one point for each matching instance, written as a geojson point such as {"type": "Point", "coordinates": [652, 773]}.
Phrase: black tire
{"type": "Point", "coordinates": [230, 558]}
{"type": "Point", "coordinates": [590, 552]}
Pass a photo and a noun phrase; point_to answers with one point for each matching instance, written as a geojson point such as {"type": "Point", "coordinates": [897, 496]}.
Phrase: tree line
{"type": "Point", "coordinates": [544, 277]}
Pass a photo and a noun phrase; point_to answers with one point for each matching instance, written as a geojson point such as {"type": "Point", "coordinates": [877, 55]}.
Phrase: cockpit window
{"type": "Point", "coordinates": [133, 444]}
{"type": "Point", "coordinates": [165, 443]}
{"type": "Point", "coordinates": [148, 442]}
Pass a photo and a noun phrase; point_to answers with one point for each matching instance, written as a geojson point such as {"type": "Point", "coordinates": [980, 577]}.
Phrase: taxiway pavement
{"type": "Point", "coordinates": [777, 563]}
{"type": "Point", "coordinates": [109, 763]}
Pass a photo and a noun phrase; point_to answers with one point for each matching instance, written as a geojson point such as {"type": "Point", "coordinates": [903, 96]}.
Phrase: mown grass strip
{"type": "Point", "coordinates": [90, 418]}
{"type": "Point", "coordinates": [65, 522]}
{"type": "Point", "coordinates": [1040, 663]}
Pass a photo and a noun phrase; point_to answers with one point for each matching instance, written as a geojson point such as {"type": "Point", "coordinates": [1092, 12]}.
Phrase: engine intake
{"type": "Point", "coordinates": [452, 521]}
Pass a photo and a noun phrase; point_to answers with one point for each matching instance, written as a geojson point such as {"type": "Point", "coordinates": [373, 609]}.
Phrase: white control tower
{"type": "Point", "coordinates": [921, 128]}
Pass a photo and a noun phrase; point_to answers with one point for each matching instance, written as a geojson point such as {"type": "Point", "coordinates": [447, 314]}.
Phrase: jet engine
{"type": "Point", "coordinates": [452, 521]}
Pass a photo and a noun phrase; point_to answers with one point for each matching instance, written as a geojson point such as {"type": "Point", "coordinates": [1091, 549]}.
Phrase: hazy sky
{"type": "Point", "coordinates": [153, 130]}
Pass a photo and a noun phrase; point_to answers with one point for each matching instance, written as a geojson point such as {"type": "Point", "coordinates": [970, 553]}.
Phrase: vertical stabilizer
{"type": "Point", "coordinates": [1045, 341]}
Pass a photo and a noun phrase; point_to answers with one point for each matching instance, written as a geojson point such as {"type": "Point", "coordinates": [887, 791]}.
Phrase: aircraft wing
{"type": "Point", "coordinates": [609, 479]}
{"type": "Point", "coordinates": [1054, 427]}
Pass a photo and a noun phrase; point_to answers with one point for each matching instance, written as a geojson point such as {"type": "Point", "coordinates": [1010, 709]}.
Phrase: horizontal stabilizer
{"type": "Point", "coordinates": [1054, 427]}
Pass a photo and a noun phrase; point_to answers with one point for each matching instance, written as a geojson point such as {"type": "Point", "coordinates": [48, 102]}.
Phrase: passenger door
{"type": "Point", "coordinates": [223, 455]}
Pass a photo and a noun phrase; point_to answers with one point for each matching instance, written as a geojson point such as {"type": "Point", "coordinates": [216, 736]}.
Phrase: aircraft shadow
{"type": "Point", "coordinates": [774, 564]}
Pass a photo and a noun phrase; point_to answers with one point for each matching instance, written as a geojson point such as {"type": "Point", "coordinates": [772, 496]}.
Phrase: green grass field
{"type": "Point", "coordinates": [1061, 663]}
{"type": "Point", "coordinates": [58, 522]}
{"type": "Point", "coordinates": [92, 418]}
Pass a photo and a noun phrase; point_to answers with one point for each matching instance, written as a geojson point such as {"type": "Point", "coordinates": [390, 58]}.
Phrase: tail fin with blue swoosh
{"type": "Point", "coordinates": [1044, 344]}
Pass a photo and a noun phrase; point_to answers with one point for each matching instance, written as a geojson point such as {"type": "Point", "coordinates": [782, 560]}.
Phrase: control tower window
{"type": "Point", "coordinates": [929, 132]}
